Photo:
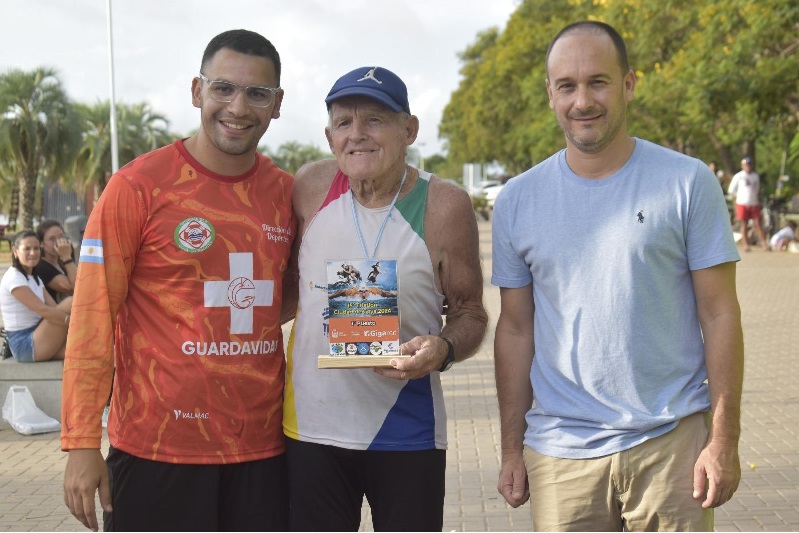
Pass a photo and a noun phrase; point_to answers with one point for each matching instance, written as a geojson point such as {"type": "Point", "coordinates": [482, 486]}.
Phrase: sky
{"type": "Point", "coordinates": [158, 45]}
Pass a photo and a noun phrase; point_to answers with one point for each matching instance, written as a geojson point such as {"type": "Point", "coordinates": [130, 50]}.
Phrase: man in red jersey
{"type": "Point", "coordinates": [179, 292]}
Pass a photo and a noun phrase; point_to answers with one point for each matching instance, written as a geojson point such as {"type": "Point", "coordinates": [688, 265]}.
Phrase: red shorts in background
{"type": "Point", "coordinates": [745, 212]}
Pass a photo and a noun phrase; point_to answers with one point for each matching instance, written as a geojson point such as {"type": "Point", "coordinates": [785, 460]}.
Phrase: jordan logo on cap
{"type": "Point", "coordinates": [371, 76]}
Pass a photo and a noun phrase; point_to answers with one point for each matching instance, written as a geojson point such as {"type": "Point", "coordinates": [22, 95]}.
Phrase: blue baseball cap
{"type": "Point", "coordinates": [377, 83]}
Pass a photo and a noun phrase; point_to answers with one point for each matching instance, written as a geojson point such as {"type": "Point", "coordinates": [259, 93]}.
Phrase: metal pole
{"type": "Point", "coordinates": [114, 141]}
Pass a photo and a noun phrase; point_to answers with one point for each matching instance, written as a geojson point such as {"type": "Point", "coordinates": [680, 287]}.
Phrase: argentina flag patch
{"type": "Point", "coordinates": [91, 251]}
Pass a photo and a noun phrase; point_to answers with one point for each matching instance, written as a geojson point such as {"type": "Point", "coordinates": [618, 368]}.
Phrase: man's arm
{"type": "Point", "coordinates": [452, 227]}
{"type": "Point", "coordinates": [720, 318]}
{"type": "Point", "coordinates": [100, 289]}
{"type": "Point", "coordinates": [733, 187]}
{"type": "Point", "coordinates": [291, 279]}
{"type": "Point", "coordinates": [513, 357]}
{"type": "Point", "coordinates": [311, 184]}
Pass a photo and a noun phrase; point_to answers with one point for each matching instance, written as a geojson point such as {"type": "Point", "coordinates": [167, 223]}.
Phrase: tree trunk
{"type": "Point", "coordinates": [749, 149]}
{"type": "Point", "coordinates": [726, 161]}
{"type": "Point", "coordinates": [27, 197]}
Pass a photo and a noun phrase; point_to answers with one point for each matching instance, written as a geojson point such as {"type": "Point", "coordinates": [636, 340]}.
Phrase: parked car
{"type": "Point", "coordinates": [491, 191]}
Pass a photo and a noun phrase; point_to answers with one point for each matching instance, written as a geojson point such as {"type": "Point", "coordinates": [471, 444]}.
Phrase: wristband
{"type": "Point", "coordinates": [450, 360]}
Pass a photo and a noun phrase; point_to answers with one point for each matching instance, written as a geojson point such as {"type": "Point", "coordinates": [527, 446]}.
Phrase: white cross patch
{"type": "Point", "coordinates": [240, 293]}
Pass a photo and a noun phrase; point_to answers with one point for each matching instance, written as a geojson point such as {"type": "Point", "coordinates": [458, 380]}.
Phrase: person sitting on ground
{"type": "Point", "coordinates": [36, 325]}
{"type": "Point", "coordinates": [57, 268]}
{"type": "Point", "coordinates": [781, 239]}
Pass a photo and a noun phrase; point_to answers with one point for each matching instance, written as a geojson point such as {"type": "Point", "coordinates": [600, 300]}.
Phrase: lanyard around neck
{"type": "Point", "coordinates": [385, 220]}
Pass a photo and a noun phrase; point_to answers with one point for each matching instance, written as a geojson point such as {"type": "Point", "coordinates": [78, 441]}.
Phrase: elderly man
{"type": "Point", "coordinates": [378, 432]}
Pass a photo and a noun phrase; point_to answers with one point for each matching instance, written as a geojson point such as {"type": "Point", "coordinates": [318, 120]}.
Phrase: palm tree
{"type": "Point", "coordinates": [140, 130]}
{"type": "Point", "coordinates": [292, 155]}
{"type": "Point", "coordinates": [94, 158]}
{"type": "Point", "coordinates": [8, 188]}
{"type": "Point", "coordinates": [39, 133]}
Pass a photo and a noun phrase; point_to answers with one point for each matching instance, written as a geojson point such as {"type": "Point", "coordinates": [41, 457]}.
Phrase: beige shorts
{"type": "Point", "coordinates": [646, 488]}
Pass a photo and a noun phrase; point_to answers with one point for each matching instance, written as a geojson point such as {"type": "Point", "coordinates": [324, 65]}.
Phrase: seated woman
{"type": "Point", "coordinates": [36, 325]}
{"type": "Point", "coordinates": [57, 268]}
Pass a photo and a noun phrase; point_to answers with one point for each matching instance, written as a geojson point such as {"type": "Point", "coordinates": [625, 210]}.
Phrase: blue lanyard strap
{"type": "Point", "coordinates": [385, 220]}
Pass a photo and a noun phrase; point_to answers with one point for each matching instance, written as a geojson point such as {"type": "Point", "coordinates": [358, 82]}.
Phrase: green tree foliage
{"type": "Point", "coordinates": [437, 164]}
{"type": "Point", "coordinates": [716, 79]}
{"type": "Point", "coordinates": [139, 130]}
{"type": "Point", "coordinates": [39, 133]}
{"type": "Point", "coordinates": [292, 155]}
{"type": "Point", "coordinates": [500, 111]}
{"type": "Point", "coordinates": [725, 74]}
{"type": "Point", "coordinates": [7, 186]}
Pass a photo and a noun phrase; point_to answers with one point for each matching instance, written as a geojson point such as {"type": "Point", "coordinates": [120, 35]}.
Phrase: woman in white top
{"type": "Point", "coordinates": [36, 325]}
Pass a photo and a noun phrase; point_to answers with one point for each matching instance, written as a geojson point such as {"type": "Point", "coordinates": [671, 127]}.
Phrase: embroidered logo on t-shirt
{"type": "Point", "coordinates": [194, 235]}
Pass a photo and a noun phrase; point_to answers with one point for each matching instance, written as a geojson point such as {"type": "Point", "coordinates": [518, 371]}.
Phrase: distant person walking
{"type": "Point", "coordinates": [745, 186]}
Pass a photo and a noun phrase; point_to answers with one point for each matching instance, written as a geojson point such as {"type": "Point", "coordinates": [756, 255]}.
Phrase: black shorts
{"type": "Point", "coordinates": [327, 484]}
{"type": "Point", "coordinates": [155, 496]}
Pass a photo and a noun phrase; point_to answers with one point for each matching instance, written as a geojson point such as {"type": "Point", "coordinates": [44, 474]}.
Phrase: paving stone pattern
{"type": "Point", "coordinates": [31, 468]}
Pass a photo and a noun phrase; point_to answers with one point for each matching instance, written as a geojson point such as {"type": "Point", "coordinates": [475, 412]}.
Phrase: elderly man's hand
{"type": "Point", "coordinates": [428, 354]}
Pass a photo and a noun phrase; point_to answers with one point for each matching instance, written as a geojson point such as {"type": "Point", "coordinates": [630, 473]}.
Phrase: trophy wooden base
{"type": "Point", "coordinates": [357, 361]}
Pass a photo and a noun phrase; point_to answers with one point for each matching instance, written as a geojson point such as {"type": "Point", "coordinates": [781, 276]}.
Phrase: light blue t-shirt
{"type": "Point", "coordinates": [619, 356]}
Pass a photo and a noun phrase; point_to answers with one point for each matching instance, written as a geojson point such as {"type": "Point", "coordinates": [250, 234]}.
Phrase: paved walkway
{"type": "Point", "coordinates": [31, 468]}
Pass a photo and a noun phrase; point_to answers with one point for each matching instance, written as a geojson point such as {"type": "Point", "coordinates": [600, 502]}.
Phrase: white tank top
{"type": "Point", "coordinates": [357, 408]}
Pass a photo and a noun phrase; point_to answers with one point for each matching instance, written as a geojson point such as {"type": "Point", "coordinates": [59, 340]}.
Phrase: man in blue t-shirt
{"type": "Point", "coordinates": [631, 334]}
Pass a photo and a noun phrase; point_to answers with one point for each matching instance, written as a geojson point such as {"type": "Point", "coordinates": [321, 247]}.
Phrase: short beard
{"type": "Point", "coordinates": [587, 147]}
{"type": "Point", "coordinates": [593, 147]}
{"type": "Point", "coordinates": [231, 149]}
